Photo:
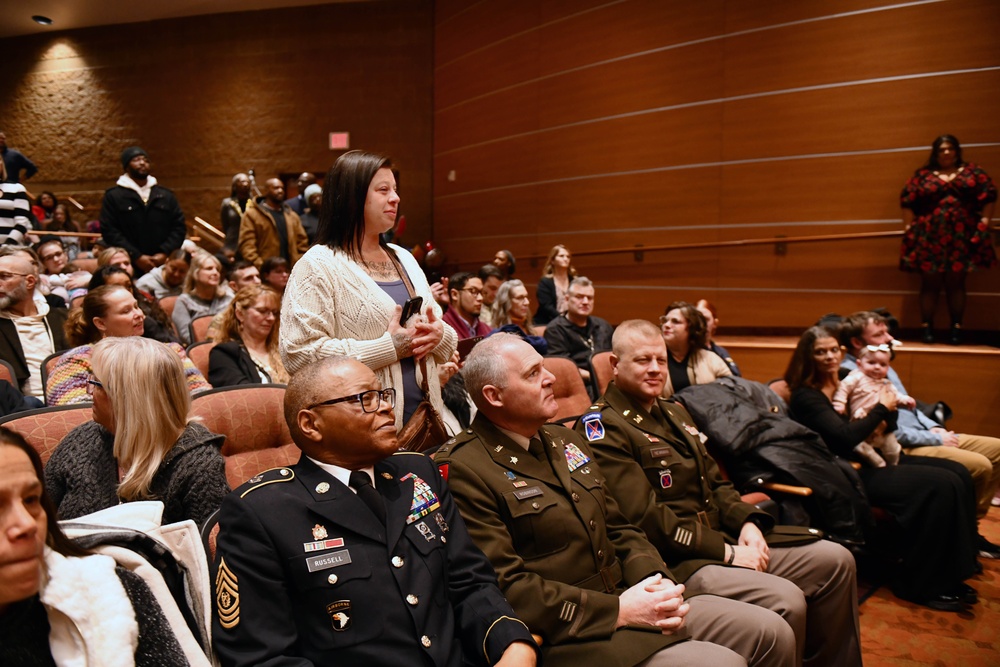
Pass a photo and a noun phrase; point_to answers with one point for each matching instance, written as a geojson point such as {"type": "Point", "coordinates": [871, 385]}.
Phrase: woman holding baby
{"type": "Point", "coordinates": [930, 499]}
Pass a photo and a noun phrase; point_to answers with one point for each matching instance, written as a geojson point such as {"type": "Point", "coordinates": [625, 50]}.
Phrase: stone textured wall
{"type": "Point", "coordinates": [211, 96]}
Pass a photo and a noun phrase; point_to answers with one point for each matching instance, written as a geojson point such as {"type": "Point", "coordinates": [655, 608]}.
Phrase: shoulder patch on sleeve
{"type": "Point", "coordinates": [443, 468]}
{"type": "Point", "coordinates": [261, 479]}
{"type": "Point", "coordinates": [593, 427]}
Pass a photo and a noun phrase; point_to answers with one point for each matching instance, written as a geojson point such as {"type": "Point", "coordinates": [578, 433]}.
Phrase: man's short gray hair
{"type": "Point", "coordinates": [579, 281]}
{"type": "Point", "coordinates": [484, 366]}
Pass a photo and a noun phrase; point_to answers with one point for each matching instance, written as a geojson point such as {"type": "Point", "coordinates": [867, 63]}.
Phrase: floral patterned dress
{"type": "Point", "coordinates": [947, 233]}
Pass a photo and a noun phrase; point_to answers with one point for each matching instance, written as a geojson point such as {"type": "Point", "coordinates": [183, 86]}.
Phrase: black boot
{"type": "Point", "coordinates": [955, 337]}
{"type": "Point", "coordinates": [928, 333]}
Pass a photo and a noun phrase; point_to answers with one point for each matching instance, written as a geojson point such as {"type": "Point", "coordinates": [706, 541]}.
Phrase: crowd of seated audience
{"type": "Point", "coordinates": [120, 353]}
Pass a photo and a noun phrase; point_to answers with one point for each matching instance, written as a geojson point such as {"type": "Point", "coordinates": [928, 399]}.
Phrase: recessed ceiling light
{"type": "Point", "coordinates": [42, 20]}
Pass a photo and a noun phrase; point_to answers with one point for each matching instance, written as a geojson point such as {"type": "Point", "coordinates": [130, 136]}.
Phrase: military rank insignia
{"type": "Point", "coordinates": [575, 457]}
{"type": "Point", "coordinates": [227, 596]}
{"type": "Point", "coordinates": [340, 614]}
{"type": "Point", "coordinates": [593, 426]}
{"type": "Point", "coordinates": [425, 500]}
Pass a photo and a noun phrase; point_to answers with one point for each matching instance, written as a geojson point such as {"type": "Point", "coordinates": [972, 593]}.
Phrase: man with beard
{"type": "Point", "coordinates": [140, 215]}
{"type": "Point", "coordinates": [29, 330]}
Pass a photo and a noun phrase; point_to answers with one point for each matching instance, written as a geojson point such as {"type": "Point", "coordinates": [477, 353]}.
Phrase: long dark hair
{"type": "Point", "coordinates": [342, 215]}
{"type": "Point", "coordinates": [932, 161]}
{"type": "Point", "coordinates": [801, 371]}
{"type": "Point", "coordinates": [55, 538]}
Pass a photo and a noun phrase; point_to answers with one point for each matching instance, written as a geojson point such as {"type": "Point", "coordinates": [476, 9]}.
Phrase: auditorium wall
{"type": "Point", "coordinates": [635, 123]}
{"type": "Point", "coordinates": [210, 96]}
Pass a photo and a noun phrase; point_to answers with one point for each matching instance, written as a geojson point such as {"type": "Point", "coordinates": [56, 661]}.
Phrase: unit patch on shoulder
{"type": "Point", "coordinates": [593, 426]}
{"type": "Point", "coordinates": [575, 457]}
{"type": "Point", "coordinates": [227, 596]}
{"type": "Point", "coordinates": [443, 469]}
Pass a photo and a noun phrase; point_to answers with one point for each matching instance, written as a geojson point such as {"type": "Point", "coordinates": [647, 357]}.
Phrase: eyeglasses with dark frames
{"type": "Point", "coordinates": [370, 400]}
{"type": "Point", "coordinates": [91, 383]}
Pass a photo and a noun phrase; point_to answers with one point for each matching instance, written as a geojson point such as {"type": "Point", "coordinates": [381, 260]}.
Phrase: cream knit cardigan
{"type": "Point", "coordinates": [332, 307]}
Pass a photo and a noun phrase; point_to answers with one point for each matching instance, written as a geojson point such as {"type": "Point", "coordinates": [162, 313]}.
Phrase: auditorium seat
{"type": "Point", "coordinates": [251, 417]}
{"type": "Point", "coordinates": [603, 373]}
{"type": "Point", "coordinates": [570, 392]}
{"type": "Point", "coordinates": [199, 353]}
{"type": "Point", "coordinates": [45, 428]}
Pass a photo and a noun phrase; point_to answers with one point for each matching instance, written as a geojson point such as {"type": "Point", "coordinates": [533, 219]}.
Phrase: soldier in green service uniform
{"type": "Point", "coordinates": [573, 568]}
{"type": "Point", "coordinates": [667, 484]}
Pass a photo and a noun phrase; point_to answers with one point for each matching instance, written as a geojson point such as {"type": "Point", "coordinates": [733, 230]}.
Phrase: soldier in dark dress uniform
{"type": "Point", "coordinates": [308, 571]}
{"type": "Point", "coordinates": [571, 565]}
{"type": "Point", "coordinates": [666, 482]}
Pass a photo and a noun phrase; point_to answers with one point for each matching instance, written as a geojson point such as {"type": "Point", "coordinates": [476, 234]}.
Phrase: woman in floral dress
{"type": "Point", "coordinates": [947, 205]}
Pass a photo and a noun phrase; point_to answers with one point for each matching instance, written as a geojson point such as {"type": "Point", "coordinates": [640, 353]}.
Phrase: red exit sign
{"type": "Point", "coordinates": [340, 141]}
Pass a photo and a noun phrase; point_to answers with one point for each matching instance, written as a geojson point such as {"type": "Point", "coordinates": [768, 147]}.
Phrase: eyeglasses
{"type": "Point", "coordinates": [878, 348]}
{"type": "Point", "coordinates": [264, 312]}
{"type": "Point", "coordinates": [91, 383]}
{"type": "Point", "coordinates": [473, 291]}
{"type": "Point", "coordinates": [58, 253]}
{"type": "Point", "coordinates": [7, 275]}
{"type": "Point", "coordinates": [370, 400]}
{"type": "Point", "coordinates": [671, 320]}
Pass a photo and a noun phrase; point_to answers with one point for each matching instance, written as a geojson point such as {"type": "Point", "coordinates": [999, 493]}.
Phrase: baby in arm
{"type": "Point", "coordinates": [859, 393]}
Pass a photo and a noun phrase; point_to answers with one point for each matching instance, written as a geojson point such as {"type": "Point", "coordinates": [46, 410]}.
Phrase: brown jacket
{"type": "Point", "coordinates": [259, 235]}
{"type": "Point", "coordinates": [562, 550]}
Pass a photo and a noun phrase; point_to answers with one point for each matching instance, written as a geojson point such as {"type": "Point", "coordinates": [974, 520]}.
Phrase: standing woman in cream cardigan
{"type": "Point", "coordinates": [345, 295]}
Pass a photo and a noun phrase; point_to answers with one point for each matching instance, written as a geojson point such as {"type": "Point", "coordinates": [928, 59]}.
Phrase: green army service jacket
{"type": "Point", "coordinates": [666, 482]}
{"type": "Point", "coordinates": [562, 550]}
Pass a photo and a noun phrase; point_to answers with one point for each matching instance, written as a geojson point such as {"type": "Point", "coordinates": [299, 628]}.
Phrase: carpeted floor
{"type": "Point", "coordinates": [897, 633]}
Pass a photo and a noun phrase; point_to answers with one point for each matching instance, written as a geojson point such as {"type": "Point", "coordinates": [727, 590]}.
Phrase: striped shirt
{"type": "Point", "coordinates": [14, 209]}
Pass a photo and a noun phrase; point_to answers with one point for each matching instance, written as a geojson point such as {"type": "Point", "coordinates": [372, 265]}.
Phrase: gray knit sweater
{"type": "Point", "coordinates": [82, 475]}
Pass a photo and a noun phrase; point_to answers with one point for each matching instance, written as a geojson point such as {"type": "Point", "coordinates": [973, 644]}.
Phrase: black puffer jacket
{"type": "Point", "coordinates": [748, 426]}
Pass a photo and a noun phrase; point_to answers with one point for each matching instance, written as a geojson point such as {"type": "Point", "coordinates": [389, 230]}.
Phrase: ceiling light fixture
{"type": "Point", "coordinates": [41, 20]}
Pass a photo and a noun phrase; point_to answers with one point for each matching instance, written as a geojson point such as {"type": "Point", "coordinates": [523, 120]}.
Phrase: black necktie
{"type": "Point", "coordinates": [362, 483]}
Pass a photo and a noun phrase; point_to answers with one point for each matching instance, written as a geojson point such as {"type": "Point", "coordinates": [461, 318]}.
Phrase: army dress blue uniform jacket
{"type": "Point", "coordinates": [305, 574]}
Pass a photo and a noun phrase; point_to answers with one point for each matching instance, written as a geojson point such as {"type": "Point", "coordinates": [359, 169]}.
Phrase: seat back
{"type": "Point", "coordinates": [198, 353]}
{"type": "Point", "coordinates": [45, 428]}
{"type": "Point", "coordinates": [199, 328]}
{"type": "Point", "coordinates": [251, 417]}
{"type": "Point", "coordinates": [167, 304]}
{"type": "Point", "coordinates": [603, 374]}
{"type": "Point", "coordinates": [570, 392]}
{"type": "Point", "coordinates": [7, 373]}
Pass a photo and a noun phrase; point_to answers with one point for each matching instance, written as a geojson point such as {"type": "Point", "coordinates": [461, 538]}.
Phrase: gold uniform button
{"type": "Point", "coordinates": [663, 462]}
{"type": "Point", "coordinates": [535, 505]}
{"type": "Point", "coordinates": [397, 561]}
{"type": "Point", "coordinates": [425, 641]}
{"type": "Point", "coordinates": [576, 497]}
{"type": "Point", "coordinates": [332, 578]}
{"type": "Point", "coordinates": [593, 525]}
{"type": "Point", "coordinates": [600, 553]}
{"type": "Point", "coordinates": [412, 600]}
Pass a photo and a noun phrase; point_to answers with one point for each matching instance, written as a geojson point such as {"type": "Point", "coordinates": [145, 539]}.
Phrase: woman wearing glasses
{"type": "Point", "coordinates": [247, 349]}
{"type": "Point", "coordinates": [346, 294]}
{"type": "Point", "coordinates": [109, 311]}
{"type": "Point", "coordinates": [141, 444]}
{"type": "Point", "coordinates": [931, 500]}
{"type": "Point", "coordinates": [688, 361]}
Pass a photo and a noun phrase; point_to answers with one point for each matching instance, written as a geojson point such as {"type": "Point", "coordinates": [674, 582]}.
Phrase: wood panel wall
{"type": "Point", "coordinates": [210, 96]}
{"type": "Point", "coordinates": [647, 122]}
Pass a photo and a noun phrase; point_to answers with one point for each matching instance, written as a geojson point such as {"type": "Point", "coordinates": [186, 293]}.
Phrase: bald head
{"type": "Point", "coordinates": [274, 192]}
{"type": "Point", "coordinates": [330, 423]}
{"type": "Point", "coordinates": [17, 284]}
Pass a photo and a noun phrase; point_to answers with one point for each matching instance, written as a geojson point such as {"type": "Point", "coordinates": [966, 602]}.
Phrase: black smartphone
{"type": "Point", "coordinates": [410, 308]}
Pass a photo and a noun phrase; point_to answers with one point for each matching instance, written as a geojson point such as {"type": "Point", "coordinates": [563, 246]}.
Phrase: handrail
{"type": "Point", "coordinates": [209, 227]}
{"type": "Point", "coordinates": [640, 250]}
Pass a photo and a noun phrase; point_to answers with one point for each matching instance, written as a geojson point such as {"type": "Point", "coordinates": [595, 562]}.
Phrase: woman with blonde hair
{"type": "Point", "coordinates": [141, 444]}
{"type": "Point", "coordinates": [108, 311]}
{"type": "Point", "coordinates": [205, 293]}
{"type": "Point", "coordinates": [115, 256]}
{"type": "Point", "coordinates": [247, 342]}
{"type": "Point", "coordinates": [554, 284]}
